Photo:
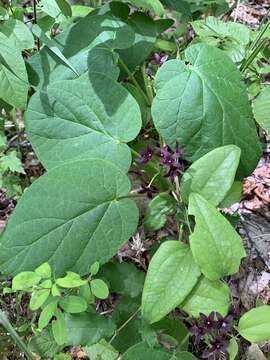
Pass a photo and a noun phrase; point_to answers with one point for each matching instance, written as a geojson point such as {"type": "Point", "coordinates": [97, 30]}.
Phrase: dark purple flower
{"type": "Point", "coordinates": [224, 325]}
{"type": "Point", "coordinates": [208, 322]}
{"type": "Point", "coordinates": [218, 349]}
{"type": "Point", "coordinates": [145, 155]}
{"type": "Point", "coordinates": [159, 59]}
{"type": "Point", "coordinates": [197, 332]}
{"type": "Point", "coordinates": [170, 161]}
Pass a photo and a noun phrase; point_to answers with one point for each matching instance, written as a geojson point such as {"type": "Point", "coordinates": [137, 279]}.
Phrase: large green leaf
{"type": "Point", "coordinates": [254, 325]}
{"type": "Point", "coordinates": [83, 118]}
{"type": "Point", "coordinates": [204, 105]}
{"type": "Point", "coordinates": [13, 76]}
{"type": "Point", "coordinates": [75, 43]}
{"type": "Point", "coordinates": [261, 109]}
{"type": "Point", "coordinates": [171, 276]}
{"type": "Point", "coordinates": [87, 328]}
{"type": "Point", "coordinates": [19, 33]}
{"type": "Point", "coordinates": [216, 246]}
{"type": "Point", "coordinates": [71, 217]}
{"type": "Point", "coordinates": [212, 175]}
{"type": "Point", "coordinates": [207, 296]}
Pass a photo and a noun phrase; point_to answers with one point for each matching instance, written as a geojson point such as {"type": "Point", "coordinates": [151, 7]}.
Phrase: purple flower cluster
{"type": "Point", "coordinates": [169, 160]}
{"type": "Point", "coordinates": [159, 59]}
{"type": "Point", "coordinates": [215, 332]}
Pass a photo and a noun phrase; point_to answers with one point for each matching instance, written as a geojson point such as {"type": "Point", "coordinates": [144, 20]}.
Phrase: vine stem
{"type": "Point", "coordinates": [117, 331]}
{"type": "Point", "coordinates": [133, 79]}
{"type": "Point", "coordinates": [35, 20]}
{"type": "Point", "coordinates": [9, 328]}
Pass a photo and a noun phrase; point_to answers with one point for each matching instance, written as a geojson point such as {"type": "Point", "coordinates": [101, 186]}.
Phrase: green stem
{"type": "Point", "coordinates": [133, 79]}
{"type": "Point", "coordinates": [117, 331]}
{"type": "Point", "coordinates": [9, 328]}
{"type": "Point", "coordinates": [147, 84]}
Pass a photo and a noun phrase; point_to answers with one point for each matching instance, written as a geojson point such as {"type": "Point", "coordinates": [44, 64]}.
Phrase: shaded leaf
{"type": "Point", "coordinates": [101, 351]}
{"type": "Point", "coordinates": [87, 329]}
{"type": "Point", "coordinates": [261, 109]}
{"type": "Point", "coordinates": [44, 344]}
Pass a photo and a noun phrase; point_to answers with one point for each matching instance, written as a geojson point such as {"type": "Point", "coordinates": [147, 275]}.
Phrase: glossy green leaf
{"type": "Point", "coordinates": [25, 280]}
{"type": "Point", "coordinates": [44, 270]}
{"type": "Point", "coordinates": [73, 304]}
{"type": "Point", "coordinates": [216, 246]}
{"type": "Point", "coordinates": [13, 76]}
{"type": "Point", "coordinates": [157, 211]}
{"type": "Point", "coordinates": [261, 109]}
{"type": "Point", "coordinates": [99, 116]}
{"type": "Point", "coordinates": [71, 280]}
{"type": "Point", "coordinates": [212, 175]}
{"type": "Point", "coordinates": [70, 217]}
{"type": "Point", "coordinates": [46, 314]}
{"type": "Point", "coordinates": [233, 349]}
{"type": "Point", "coordinates": [99, 288]}
{"type": "Point", "coordinates": [124, 278]}
{"type": "Point", "coordinates": [153, 5]}
{"type": "Point", "coordinates": [207, 296]}
{"type": "Point", "coordinates": [204, 106]}
{"type": "Point", "coordinates": [87, 329]}
{"type": "Point", "coordinates": [171, 276]}
{"type": "Point", "coordinates": [101, 351]}
{"type": "Point", "coordinates": [92, 30]}
{"type": "Point", "coordinates": [38, 298]}
{"type": "Point", "coordinates": [59, 328]}
{"type": "Point", "coordinates": [254, 325]}
{"type": "Point", "coordinates": [19, 33]}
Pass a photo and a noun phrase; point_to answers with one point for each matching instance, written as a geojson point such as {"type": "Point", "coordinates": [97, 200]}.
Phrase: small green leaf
{"type": "Point", "coordinates": [71, 280]}
{"type": "Point", "coordinates": [25, 280]}
{"type": "Point", "coordinates": [207, 296]}
{"type": "Point", "coordinates": [261, 109]}
{"type": "Point", "coordinates": [171, 276]}
{"type": "Point", "coordinates": [62, 356]}
{"type": "Point", "coordinates": [101, 351]}
{"type": "Point", "coordinates": [38, 298]}
{"type": "Point", "coordinates": [11, 162]}
{"type": "Point", "coordinates": [157, 211]}
{"type": "Point", "coordinates": [233, 349]}
{"type": "Point", "coordinates": [73, 304]}
{"type": "Point", "coordinates": [212, 175]}
{"type": "Point", "coordinates": [55, 290]}
{"type": "Point", "coordinates": [99, 288]}
{"type": "Point", "coordinates": [46, 314]}
{"type": "Point", "coordinates": [44, 270]}
{"type": "Point", "coordinates": [142, 351]}
{"type": "Point", "coordinates": [94, 268]}
{"type": "Point", "coordinates": [254, 325]}
{"type": "Point", "coordinates": [59, 328]}
{"type": "Point", "coordinates": [216, 246]}
{"type": "Point", "coordinates": [85, 292]}
{"type": "Point", "coordinates": [46, 284]}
